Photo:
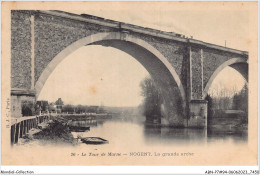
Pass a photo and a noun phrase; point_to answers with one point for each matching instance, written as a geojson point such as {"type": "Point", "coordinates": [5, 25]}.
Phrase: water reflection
{"type": "Point", "coordinates": [119, 132]}
{"type": "Point", "coordinates": [237, 137]}
{"type": "Point", "coordinates": [167, 135]}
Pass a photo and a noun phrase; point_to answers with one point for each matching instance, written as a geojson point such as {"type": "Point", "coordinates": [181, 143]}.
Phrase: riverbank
{"type": "Point", "coordinates": [54, 131]}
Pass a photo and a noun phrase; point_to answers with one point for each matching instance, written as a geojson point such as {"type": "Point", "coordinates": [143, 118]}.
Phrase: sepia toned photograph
{"type": "Point", "coordinates": [129, 83]}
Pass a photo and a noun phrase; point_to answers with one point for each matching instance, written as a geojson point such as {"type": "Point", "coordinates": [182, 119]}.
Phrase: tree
{"type": "Point", "coordinates": [51, 107]}
{"type": "Point", "coordinates": [42, 105]}
{"type": "Point", "coordinates": [68, 108]}
{"type": "Point", "coordinates": [152, 100]}
{"type": "Point", "coordinates": [27, 108]}
{"type": "Point", "coordinates": [59, 102]}
{"type": "Point", "coordinates": [240, 100]}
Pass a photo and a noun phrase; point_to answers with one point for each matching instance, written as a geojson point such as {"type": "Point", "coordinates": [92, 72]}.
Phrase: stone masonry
{"type": "Point", "coordinates": [184, 67]}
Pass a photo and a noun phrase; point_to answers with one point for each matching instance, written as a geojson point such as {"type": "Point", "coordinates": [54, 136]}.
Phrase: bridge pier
{"type": "Point", "coordinates": [22, 98]}
{"type": "Point", "coordinates": [198, 114]}
{"type": "Point", "coordinates": [197, 117]}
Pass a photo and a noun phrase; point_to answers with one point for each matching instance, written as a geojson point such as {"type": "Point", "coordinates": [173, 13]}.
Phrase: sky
{"type": "Point", "coordinates": [97, 75]}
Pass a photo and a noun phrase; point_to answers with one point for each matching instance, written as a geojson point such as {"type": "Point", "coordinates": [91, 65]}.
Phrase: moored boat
{"type": "Point", "coordinates": [79, 129]}
{"type": "Point", "coordinates": [94, 140]}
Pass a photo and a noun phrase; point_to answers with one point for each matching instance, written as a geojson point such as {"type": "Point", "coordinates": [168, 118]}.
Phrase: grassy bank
{"type": "Point", "coordinates": [54, 132]}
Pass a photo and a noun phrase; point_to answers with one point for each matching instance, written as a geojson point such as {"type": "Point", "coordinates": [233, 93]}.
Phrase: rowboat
{"type": "Point", "coordinates": [94, 140]}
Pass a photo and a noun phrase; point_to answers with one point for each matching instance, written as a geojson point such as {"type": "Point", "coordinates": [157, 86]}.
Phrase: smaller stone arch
{"type": "Point", "coordinates": [240, 64]}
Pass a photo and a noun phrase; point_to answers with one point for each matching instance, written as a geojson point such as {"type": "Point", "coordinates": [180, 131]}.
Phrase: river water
{"type": "Point", "coordinates": [138, 144]}
{"type": "Point", "coordinates": [124, 132]}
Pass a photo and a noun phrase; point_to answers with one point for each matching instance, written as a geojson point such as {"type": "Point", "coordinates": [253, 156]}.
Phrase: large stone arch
{"type": "Point", "coordinates": [240, 64]}
{"type": "Point", "coordinates": [155, 63]}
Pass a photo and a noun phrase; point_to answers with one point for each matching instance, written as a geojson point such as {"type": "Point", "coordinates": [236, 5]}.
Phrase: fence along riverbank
{"type": "Point", "coordinates": [21, 126]}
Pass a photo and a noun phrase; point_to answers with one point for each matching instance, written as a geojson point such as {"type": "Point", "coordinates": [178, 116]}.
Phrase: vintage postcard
{"type": "Point", "coordinates": [129, 83]}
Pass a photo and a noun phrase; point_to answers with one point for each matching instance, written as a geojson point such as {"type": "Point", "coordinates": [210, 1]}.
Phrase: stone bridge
{"type": "Point", "coordinates": [183, 68]}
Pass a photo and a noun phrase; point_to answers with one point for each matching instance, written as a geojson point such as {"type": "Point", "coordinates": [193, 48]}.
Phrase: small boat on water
{"type": "Point", "coordinates": [79, 129]}
{"type": "Point", "coordinates": [94, 140]}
